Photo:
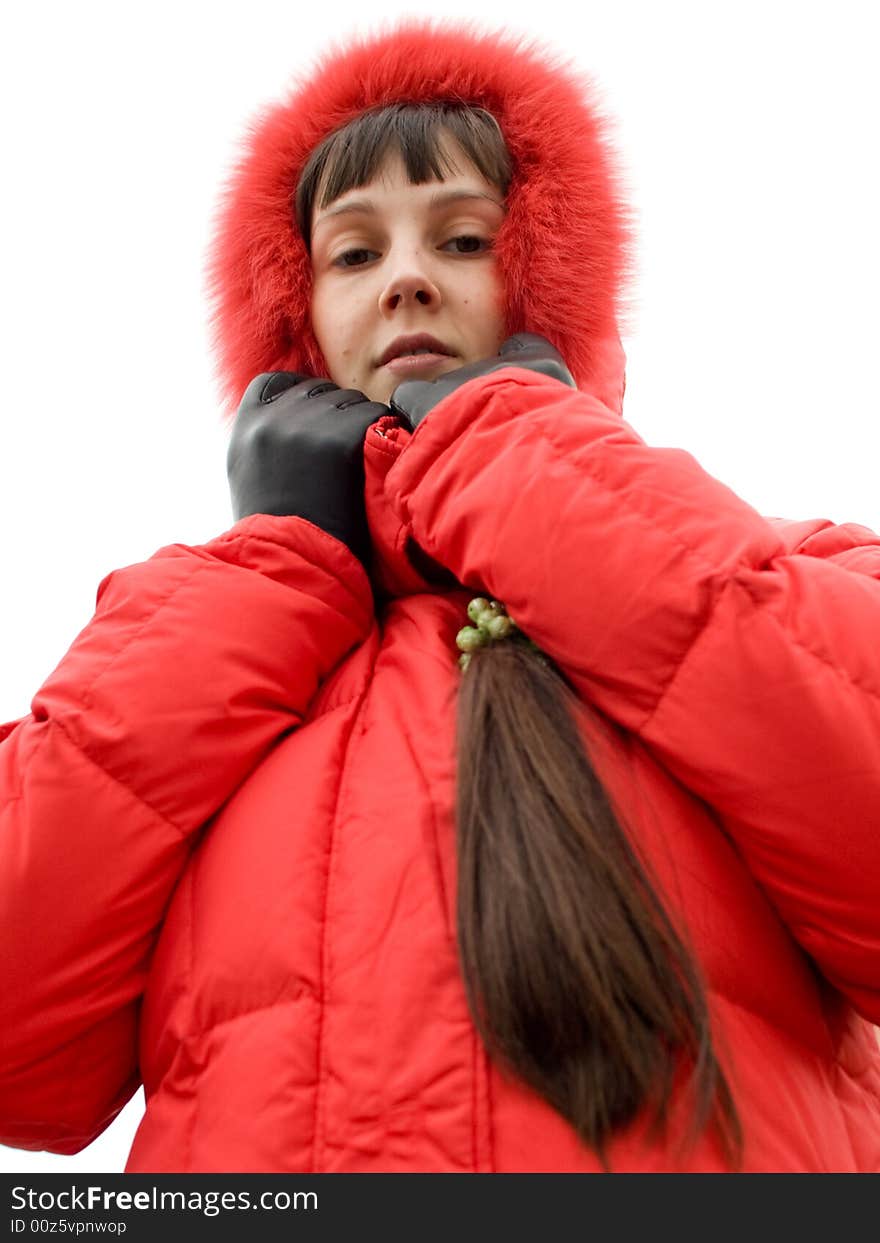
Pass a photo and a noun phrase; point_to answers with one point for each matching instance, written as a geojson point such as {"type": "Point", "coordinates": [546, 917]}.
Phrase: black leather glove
{"type": "Point", "coordinates": [297, 448]}
{"type": "Point", "coordinates": [413, 399]}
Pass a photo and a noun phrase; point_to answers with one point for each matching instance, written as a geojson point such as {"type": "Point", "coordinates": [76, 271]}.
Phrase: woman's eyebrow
{"type": "Point", "coordinates": [441, 199]}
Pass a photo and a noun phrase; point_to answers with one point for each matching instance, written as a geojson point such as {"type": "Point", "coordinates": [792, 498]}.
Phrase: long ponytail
{"type": "Point", "coordinates": [576, 979]}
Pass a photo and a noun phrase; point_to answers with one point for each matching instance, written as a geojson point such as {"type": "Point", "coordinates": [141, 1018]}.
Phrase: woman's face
{"type": "Point", "coordinates": [393, 260]}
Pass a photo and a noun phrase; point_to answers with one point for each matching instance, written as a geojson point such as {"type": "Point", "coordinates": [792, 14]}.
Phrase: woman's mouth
{"type": "Point", "coordinates": [412, 364]}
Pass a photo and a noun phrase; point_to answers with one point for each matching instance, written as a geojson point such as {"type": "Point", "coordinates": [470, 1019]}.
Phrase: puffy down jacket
{"type": "Point", "coordinates": [227, 858]}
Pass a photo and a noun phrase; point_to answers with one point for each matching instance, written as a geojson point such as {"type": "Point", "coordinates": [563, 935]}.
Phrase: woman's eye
{"type": "Point", "coordinates": [341, 260]}
{"type": "Point", "coordinates": [467, 237]}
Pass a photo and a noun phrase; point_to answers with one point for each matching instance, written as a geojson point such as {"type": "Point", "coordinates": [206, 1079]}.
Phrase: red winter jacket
{"type": "Point", "coordinates": [227, 833]}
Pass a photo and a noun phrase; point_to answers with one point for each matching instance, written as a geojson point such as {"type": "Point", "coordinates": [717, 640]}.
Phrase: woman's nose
{"type": "Point", "coordinates": [409, 286]}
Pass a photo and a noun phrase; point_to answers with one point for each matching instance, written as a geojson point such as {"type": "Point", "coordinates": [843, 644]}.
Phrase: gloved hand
{"type": "Point", "coordinates": [297, 448]}
{"type": "Point", "coordinates": [413, 399]}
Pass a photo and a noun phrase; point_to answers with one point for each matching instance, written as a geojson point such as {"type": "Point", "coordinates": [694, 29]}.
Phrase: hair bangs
{"type": "Point", "coordinates": [352, 156]}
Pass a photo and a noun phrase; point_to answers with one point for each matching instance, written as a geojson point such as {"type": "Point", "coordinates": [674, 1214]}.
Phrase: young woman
{"type": "Point", "coordinates": [499, 793]}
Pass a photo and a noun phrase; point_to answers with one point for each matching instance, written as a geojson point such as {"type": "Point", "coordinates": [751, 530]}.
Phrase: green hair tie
{"type": "Point", "coordinates": [491, 624]}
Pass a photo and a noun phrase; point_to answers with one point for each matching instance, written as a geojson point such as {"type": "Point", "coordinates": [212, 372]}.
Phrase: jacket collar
{"type": "Point", "coordinates": [399, 567]}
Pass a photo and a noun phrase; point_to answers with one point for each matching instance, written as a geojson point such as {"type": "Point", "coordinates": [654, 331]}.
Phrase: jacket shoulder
{"type": "Point", "coordinates": [849, 544]}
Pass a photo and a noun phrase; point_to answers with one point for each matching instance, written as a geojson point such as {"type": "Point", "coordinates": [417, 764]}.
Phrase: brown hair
{"type": "Point", "coordinates": [575, 976]}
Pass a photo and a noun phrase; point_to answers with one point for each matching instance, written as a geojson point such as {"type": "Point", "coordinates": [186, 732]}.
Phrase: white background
{"type": "Point", "coordinates": [748, 137]}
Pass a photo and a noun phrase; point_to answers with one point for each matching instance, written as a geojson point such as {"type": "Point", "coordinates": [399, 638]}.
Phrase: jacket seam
{"type": "Point", "coordinates": [839, 671]}
{"type": "Point", "coordinates": [253, 537]}
{"type": "Point", "coordinates": [82, 750]}
{"type": "Point", "coordinates": [208, 1030]}
{"type": "Point", "coordinates": [200, 567]}
{"type": "Point", "coordinates": [337, 705]}
{"type": "Point", "coordinates": [435, 840]}
{"type": "Point", "coordinates": [384, 449]}
{"type": "Point", "coordinates": [476, 1044]}
{"type": "Point", "coordinates": [323, 968]}
{"type": "Point", "coordinates": [147, 621]}
{"type": "Point", "coordinates": [19, 795]}
{"type": "Point", "coordinates": [243, 538]}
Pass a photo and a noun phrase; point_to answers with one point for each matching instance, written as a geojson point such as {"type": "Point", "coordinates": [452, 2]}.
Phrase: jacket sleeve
{"type": "Point", "coordinates": [195, 663]}
{"type": "Point", "coordinates": [751, 669]}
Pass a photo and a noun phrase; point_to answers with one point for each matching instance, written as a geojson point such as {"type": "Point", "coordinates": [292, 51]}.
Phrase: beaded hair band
{"type": "Point", "coordinates": [491, 625]}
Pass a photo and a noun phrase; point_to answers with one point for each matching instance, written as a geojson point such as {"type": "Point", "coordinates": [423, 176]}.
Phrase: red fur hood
{"type": "Point", "coordinates": [564, 245]}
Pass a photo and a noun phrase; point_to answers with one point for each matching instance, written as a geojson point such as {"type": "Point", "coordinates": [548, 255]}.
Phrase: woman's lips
{"type": "Point", "coordinates": [412, 364]}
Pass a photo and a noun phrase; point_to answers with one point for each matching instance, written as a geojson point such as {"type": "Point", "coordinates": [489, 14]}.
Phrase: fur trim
{"type": "Point", "coordinates": [565, 243]}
